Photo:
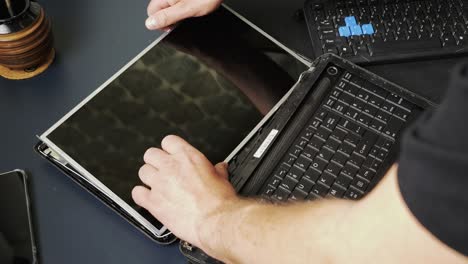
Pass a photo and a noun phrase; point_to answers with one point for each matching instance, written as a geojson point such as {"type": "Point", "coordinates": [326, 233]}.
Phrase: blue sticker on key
{"type": "Point", "coordinates": [356, 30]}
{"type": "Point", "coordinates": [350, 21]}
{"type": "Point", "coordinates": [344, 31]}
{"type": "Point", "coordinates": [367, 29]}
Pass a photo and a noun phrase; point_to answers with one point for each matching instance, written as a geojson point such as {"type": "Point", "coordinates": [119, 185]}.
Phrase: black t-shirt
{"type": "Point", "coordinates": [433, 166]}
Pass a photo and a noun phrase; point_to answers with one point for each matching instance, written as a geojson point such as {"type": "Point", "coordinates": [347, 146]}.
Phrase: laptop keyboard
{"type": "Point", "coordinates": [343, 146]}
{"type": "Point", "coordinates": [368, 31]}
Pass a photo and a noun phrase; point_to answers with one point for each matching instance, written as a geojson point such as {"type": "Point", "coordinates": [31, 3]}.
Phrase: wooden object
{"type": "Point", "coordinates": [29, 52]}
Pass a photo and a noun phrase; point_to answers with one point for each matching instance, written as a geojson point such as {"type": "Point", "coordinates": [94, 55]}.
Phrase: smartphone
{"type": "Point", "coordinates": [17, 243]}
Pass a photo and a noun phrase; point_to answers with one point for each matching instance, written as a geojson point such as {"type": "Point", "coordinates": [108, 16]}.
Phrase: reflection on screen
{"type": "Point", "coordinates": [15, 233]}
{"type": "Point", "coordinates": [210, 81]}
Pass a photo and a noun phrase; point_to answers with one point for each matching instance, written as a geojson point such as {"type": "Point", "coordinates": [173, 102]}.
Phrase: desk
{"type": "Point", "coordinates": [93, 40]}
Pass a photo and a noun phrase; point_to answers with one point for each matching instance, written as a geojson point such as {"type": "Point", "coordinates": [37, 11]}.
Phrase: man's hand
{"type": "Point", "coordinates": [164, 13]}
{"type": "Point", "coordinates": [186, 192]}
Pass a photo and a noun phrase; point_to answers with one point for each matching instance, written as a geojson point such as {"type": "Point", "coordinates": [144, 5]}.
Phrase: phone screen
{"type": "Point", "coordinates": [16, 237]}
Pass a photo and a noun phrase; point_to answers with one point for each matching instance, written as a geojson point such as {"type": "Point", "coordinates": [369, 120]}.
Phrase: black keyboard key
{"type": "Point", "coordinates": [295, 151]}
{"type": "Point", "coordinates": [315, 124]}
{"type": "Point", "coordinates": [319, 164]}
{"type": "Point", "coordinates": [356, 159]}
{"type": "Point", "coordinates": [358, 104]}
{"type": "Point", "coordinates": [366, 143]}
{"type": "Point", "coordinates": [336, 93]}
{"type": "Point", "coordinates": [350, 126]}
{"type": "Point", "coordinates": [288, 183]}
{"type": "Point", "coordinates": [394, 98]}
{"type": "Point", "coordinates": [327, 178]}
{"type": "Point", "coordinates": [295, 173]}
{"type": "Point", "coordinates": [325, 153]}
{"type": "Point", "coordinates": [346, 148]}
{"type": "Point", "coordinates": [377, 125]}
{"type": "Point", "coordinates": [360, 184]}
{"type": "Point", "coordinates": [268, 190]}
{"type": "Point", "coordinates": [364, 119]}
{"type": "Point", "coordinates": [401, 114]}
{"type": "Point", "coordinates": [381, 154]}
{"type": "Point", "coordinates": [352, 139]}
{"type": "Point", "coordinates": [316, 142]}
{"type": "Point", "coordinates": [331, 144]}
{"type": "Point", "coordinates": [393, 127]}
{"type": "Point", "coordinates": [331, 121]}
{"type": "Point", "coordinates": [337, 191]}
{"type": "Point", "coordinates": [312, 174]}
{"type": "Point", "coordinates": [375, 101]}
{"type": "Point", "coordinates": [321, 114]}
{"type": "Point", "coordinates": [274, 181]}
{"type": "Point", "coordinates": [330, 102]}
{"type": "Point", "coordinates": [346, 98]}
{"type": "Point", "coordinates": [290, 159]}
{"type": "Point", "coordinates": [366, 173]}
{"type": "Point", "coordinates": [301, 143]}
{"type": "Point", "coordinates": [376, 165]}
{"type": "Point", "coordinates": [343, 180]}
{"type": "Point", "coordinates": [305, 185]}
{"type": "Point", "coordinates": [353, 194]}
{"type": "Point", "coordinates": [282, 171]}
{"type": "Point", "coordinates": [406, 105]}
{"type": "Point", "coordinates": [387, 106]}
{"type": "Point", "coordinates": [363, 95]}
{"type": "Point", "coordinates": [374, 151]}
{"type": "Point", "coordinates": [323, 133]}
{"type": "Point", "coordinates": [368, 162]}
{"type": "Point", "coordinates": [351, 89]}
{"type": "Point", "coordinates": [320, 189]}
{"type": "Point", "coordinates": [308, 133]}
{"type": "Point", "coordinates": [309, 152]}
{"type": "Point", "coordinates": [384, 143]}
{"type": "Point", "coordinates": [370, 109]}
{"type": "Point", "coordinates": [376, 90]}
{"type": "Point", "coordinates": [352, 113]}
{"type": "Point", "coordinates": [297, 195]}
{"type": "Point", "coordinates": [303, 162]}
{"type": "Point", "coordinates": [340, 158]}
{"type": "Point", "coordinates": [350, 170]}
{"type": "Point", "coordinates": [281, 194]}
{"type": "Point", "coordinates": [333, 168]}
{"type": "Point", "coordinates": [338, 134]}
{"type": "Point", "coordinates": [340, 107]}
{"type": "Point", "coordinates": [382, 116]}
{"type": "Point", "coordinates": [342, 84]}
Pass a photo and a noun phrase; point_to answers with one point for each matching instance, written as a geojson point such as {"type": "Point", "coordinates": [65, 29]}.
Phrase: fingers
{"type": "Point", "coordinates": [221, 169]}
{"type": "Point", "coordinates": [168, 16]}
{"type": "Point", "coordinates": [156, 157]}
{"type": "Point", "coordinates": [141, 195]}
{"type": "Point", "coordinates": [156, 5]}
{"type": "Point", "coordinates": [148, 174]}
{"type": "Point", "coordinates": [174, 145]}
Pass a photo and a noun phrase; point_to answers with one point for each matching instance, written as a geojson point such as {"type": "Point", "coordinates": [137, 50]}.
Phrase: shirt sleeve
{"type": "Point", "coordinates": [433, 166]}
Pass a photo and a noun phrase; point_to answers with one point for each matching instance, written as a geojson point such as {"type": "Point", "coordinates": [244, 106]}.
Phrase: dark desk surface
{"type": "Point", "coordinates": [93, 40]}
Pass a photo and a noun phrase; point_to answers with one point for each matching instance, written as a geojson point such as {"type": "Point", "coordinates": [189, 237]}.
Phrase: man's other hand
{"type": "Point", "coordinates": [164, 13]}
{"type": "Point", "coordinates": [183, 189]}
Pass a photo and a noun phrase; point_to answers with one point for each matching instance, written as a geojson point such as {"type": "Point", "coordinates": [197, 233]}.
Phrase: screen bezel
{"type": "Point", "coordinates": [86, 175]}
{"type": "Point", "coordinates": [24, 179]}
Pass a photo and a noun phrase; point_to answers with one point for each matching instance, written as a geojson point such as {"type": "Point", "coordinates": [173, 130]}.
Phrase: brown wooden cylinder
{"type": "Point", "coordinates": [29, 48]}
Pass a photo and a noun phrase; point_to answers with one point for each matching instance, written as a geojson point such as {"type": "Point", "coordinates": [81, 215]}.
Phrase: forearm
{"type": "Point", "coordinates": [257, 232]}
{"type": "Point", "coordinates": [378, 228]}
